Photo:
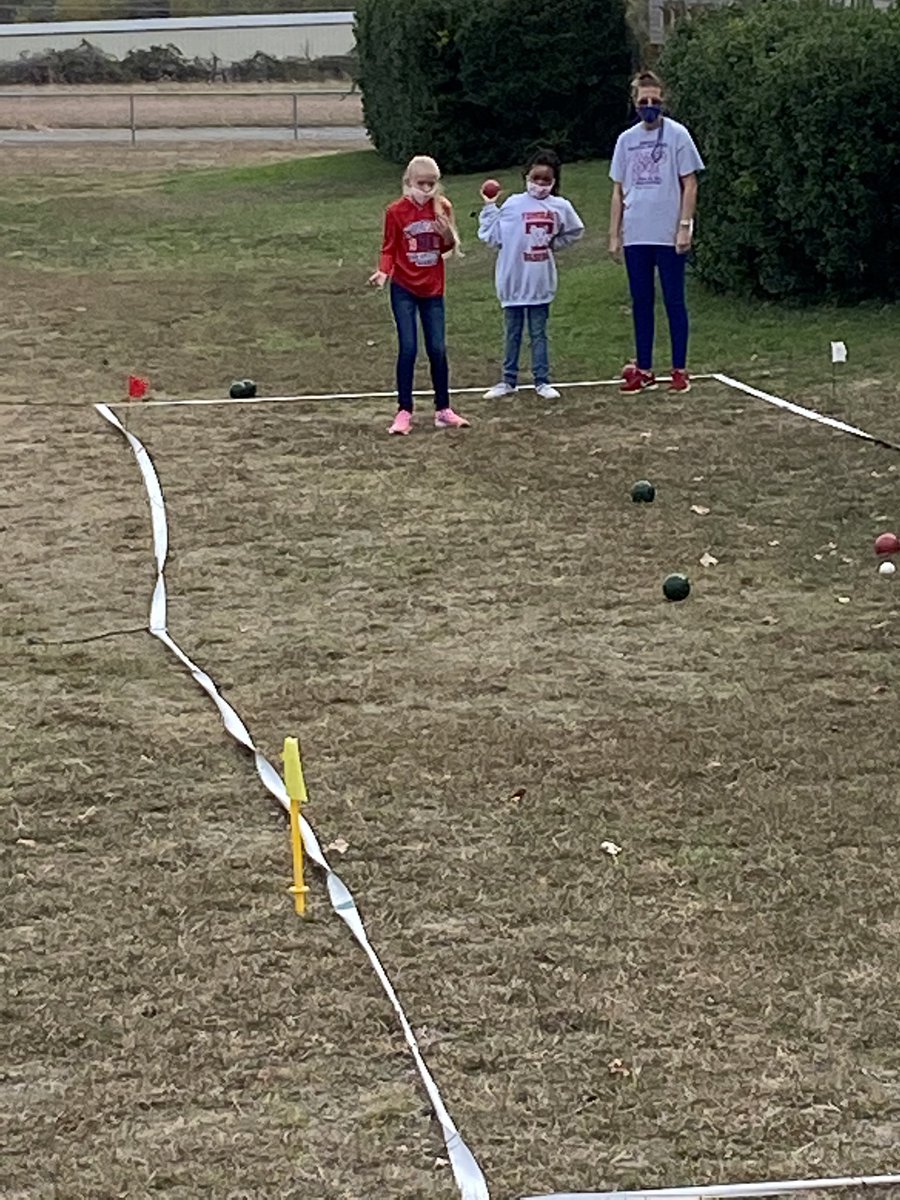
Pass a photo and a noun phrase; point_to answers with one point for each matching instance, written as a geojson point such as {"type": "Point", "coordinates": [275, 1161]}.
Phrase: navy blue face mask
{"type": "Point", "coordinates": [649, 113]}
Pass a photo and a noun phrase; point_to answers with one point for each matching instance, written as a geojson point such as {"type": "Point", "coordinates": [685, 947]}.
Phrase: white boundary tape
{"type": "Point", "coordinates": [774, 1188]}
{"type": "Point", "coordinates": [466, 391]}
{"type": "Point", "coordinates": [809, 413]}
{"type": "Point", "coordinates": [468, 1175]}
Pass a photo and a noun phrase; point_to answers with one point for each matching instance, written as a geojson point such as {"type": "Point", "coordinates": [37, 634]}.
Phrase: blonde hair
{"type": "Point", "coordinates": [422, 162]}
{"type": "Point", "coordinates": [645, 79]}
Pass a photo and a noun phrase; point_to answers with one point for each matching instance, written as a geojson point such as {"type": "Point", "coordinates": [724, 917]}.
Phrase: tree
{"type": "Point", "coordinates": [801, 196]}
{"type": "Point", "coordinates": [477, 85]}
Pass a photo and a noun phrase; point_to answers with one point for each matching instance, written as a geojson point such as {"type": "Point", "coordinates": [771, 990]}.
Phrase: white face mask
{"type": "Point", "coordinates": [540, 191]}
{"type": "Point", "coordinates": [420, 195]}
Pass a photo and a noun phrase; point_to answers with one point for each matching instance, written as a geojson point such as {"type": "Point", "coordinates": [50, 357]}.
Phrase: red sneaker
{"type": "Point", "coordinates": [681, 381]}
{"type": "Point", "coordinates": [636, 380]}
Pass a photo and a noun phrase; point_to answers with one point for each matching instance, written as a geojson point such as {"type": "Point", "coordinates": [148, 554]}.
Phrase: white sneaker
{"type": "Point", "coordinates": [546, 392]}
{"type": "Point", "coordinates": [499, 390]}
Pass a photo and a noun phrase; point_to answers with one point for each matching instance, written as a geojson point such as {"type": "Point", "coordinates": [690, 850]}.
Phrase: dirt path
{"type": "Point", "coordinates": [349, 136]}
{"type": "Point", "coordinates": [176, 106]}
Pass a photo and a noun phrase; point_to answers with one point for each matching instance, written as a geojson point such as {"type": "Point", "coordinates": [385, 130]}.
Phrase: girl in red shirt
{"type": "Point", "coordinates": [419, 232]}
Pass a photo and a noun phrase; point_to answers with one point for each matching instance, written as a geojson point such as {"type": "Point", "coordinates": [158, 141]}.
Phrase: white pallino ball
{"type": "Point", "coordinates": [886, 568]}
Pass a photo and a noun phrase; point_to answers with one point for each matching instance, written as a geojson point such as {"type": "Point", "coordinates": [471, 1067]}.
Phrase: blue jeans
{"type": "Point", "coordinates": [641, 262]}
{"type": "Point", "coordinates": [514, 316]}
{"type": "Point", "coordinates": [430, 309]}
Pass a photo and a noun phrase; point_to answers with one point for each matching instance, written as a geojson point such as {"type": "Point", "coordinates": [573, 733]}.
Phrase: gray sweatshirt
{"type": "Point", "coordinates": [526, 232]}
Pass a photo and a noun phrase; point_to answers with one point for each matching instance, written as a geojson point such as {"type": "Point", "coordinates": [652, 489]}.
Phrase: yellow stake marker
{"type": "Point", "coordinates": [296, 790]}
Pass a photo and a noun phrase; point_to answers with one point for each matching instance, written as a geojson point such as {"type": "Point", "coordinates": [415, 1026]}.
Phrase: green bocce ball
{"type": "Point", "coordinates": [643, 492]}
{"type": "Point", "coordinates": [242, 389]}
{"type": "Point", "coordinates": [676, 587]}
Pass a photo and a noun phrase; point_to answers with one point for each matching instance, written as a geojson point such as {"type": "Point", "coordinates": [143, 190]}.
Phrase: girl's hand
{"type": "Point", "coordinates": [495, 199]}
{"type": "Point", "coordinates": [379, 279]}
{"type": "Point", "coordinates": [683, 239]}
{"type": "Point", "coordinates": [615, 246]}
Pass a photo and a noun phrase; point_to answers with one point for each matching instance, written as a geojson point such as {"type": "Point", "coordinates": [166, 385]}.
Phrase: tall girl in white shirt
{"type": "Point", "coordinates": [527, 229]}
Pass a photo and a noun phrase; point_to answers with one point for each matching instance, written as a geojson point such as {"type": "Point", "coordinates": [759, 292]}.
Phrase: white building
{"type": "Point", "coordinates": [230, 39]}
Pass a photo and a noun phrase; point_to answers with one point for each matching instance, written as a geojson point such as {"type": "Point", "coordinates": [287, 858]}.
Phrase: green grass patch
{"type": "Point", "coordinates": [312, 226]}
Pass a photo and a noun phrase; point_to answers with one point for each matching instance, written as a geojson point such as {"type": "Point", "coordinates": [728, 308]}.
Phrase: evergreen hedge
{"type": "Point", "coordinates": [477, 84]}
{"type": "Point", "coordinates": [791, 105]}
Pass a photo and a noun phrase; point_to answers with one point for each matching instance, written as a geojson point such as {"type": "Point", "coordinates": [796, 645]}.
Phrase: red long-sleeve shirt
{"type": "Point", "coordinates": [412, 249]}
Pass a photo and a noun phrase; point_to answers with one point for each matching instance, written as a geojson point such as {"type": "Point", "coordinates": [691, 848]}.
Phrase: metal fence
{"type": "Point", "coordinates": [296, 113]}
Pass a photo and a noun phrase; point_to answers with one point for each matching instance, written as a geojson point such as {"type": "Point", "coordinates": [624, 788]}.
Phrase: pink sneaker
{"type": "Point", "coordinates": [402, 422]}
{"type": "Point", "coordinates": [446, 418]}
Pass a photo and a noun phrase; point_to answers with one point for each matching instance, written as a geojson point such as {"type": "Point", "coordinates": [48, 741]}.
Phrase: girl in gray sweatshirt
{"type": "Point", "coordinates": [526, 230]}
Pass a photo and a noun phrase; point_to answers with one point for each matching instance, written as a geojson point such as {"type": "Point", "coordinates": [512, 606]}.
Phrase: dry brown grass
{"type": "Point", "coordinates": [444, 620]}
{"type": "Point", "coordinates": [62, 169]}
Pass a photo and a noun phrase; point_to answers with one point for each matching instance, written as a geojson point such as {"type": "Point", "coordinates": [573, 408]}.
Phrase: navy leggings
{"type": "Point", "coordinates": [642, 262]}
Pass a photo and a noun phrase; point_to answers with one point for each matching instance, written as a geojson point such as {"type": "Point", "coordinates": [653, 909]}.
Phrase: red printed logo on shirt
{"type": "Point", "coordinates": [423, 243]}
{"type": "Point", "coordinates": [539, 230]}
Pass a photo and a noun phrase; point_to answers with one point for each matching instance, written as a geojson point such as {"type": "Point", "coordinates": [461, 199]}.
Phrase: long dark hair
{"type": "Point", "coordinates": [546, 158]}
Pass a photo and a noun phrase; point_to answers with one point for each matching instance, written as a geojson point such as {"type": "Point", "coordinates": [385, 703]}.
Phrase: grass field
{"type": "Point", "coordinates": [445, 621]}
